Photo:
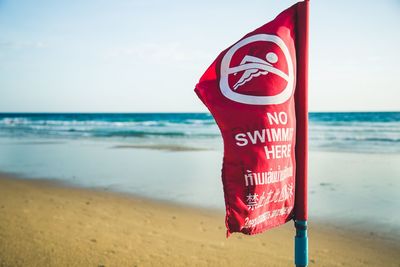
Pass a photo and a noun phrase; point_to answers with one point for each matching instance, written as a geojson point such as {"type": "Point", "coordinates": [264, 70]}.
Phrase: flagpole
{"type": "Point", "coordinates": [301, 97]}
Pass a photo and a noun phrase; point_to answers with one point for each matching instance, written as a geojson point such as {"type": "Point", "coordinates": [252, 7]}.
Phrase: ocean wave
{"type": "Point", "coordinates": [346, 117]}
{"type": "Point", "coordinates": [200, 122]}
{"type": "Point", "coordinates": [373, 139]}
{"type": "Point", "coordinates": [149, 133]}
{"type": "Point", "coordinates": [97, 123]}
{"type": "Point", "coordinates": [139, 134]}
{"type": "Point", "coordinates": [14, 121]}
{"type": "Point", "coordinates": [343, 131]}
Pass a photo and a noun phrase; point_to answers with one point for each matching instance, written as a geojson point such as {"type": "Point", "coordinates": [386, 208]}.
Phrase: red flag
{"type": "Point", "coordinates": [249, 89]}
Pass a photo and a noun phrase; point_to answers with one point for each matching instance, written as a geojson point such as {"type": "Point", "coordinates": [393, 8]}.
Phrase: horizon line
{"type": "Point", "coordinates": [173, 112]}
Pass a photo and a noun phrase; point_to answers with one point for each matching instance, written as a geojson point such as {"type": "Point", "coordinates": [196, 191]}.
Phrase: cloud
{"type": "Point", "coordinates": [158, 52]}
{"type": "Point", "coordinates": [22, 44]}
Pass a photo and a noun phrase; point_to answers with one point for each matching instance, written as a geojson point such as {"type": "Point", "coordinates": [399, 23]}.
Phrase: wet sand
{"type": "Point", "coordinates": [43, 223]}
{"type": "Point", "coordinates": [160, 147]}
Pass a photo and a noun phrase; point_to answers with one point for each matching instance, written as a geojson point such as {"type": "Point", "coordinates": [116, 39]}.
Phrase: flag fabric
{"type": "Point", "coordinates": [249, 89]}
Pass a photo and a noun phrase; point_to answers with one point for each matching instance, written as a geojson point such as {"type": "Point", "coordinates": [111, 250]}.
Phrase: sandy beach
{"type": "Point", "coordinates": [43, 223]}
{"type": "Point", "coordinates": [154, 133]}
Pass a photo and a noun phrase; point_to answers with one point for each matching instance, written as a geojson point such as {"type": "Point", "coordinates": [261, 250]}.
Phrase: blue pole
{"type": "Point", "coordinates": [301, 244]}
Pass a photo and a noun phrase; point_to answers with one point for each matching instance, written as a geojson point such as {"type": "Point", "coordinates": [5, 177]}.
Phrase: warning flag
{"type": "Point", "coordinates": [250, 91]}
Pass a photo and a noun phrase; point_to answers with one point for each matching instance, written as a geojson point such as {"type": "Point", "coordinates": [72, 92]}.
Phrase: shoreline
{"type": "Point", "coordinates": [47, 223]}
{"type": "Point", "coordinates": [346, 227]}
{"type": "Point", "coordinates": [360, 227]}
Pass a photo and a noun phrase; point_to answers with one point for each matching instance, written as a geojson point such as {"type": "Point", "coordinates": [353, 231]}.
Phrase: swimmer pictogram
{"type": "Point", "coordinates": [252, 67]}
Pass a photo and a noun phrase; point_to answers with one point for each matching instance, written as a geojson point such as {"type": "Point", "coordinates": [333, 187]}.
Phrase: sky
{"type": "Point", "coordinates": [147, 56]}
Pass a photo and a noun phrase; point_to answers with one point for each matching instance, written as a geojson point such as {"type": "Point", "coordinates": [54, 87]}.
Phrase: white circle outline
{"type": "Point", "coordinates": [249, 99]}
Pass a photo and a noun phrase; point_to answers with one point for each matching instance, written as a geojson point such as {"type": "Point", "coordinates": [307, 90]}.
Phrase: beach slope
{"type": "Point", "coordinates": [45, 224]}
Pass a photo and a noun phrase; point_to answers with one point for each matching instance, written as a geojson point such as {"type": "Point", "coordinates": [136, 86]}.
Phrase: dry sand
{"type": "Point", "coordinates": [46, 224]}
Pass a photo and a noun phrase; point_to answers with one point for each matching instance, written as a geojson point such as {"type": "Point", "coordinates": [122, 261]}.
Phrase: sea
{"type": "Point", "coordinates": [371, 132]}
{"type": "Point", "coordinates": [354, 165]}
